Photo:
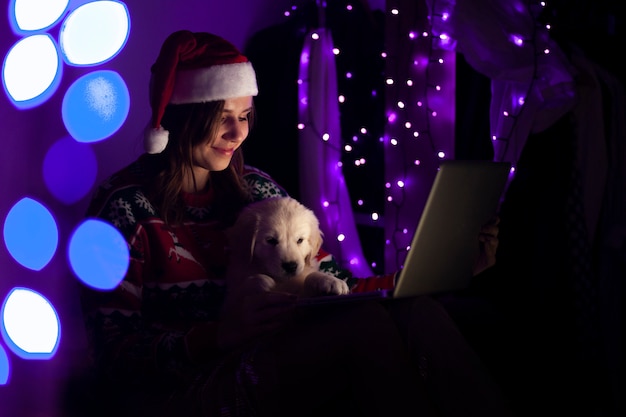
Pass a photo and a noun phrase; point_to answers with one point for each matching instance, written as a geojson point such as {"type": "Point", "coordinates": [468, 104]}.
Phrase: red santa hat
{"type": "Point", "coordinates": [195, 68]}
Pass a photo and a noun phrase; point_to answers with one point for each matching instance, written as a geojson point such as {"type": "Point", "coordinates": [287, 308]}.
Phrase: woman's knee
{"type": "Point", "coordinates": [425, 307]}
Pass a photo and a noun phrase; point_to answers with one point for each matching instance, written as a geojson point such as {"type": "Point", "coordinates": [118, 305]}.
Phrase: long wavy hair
{"type": "Point", "coordinates": [190, 125]}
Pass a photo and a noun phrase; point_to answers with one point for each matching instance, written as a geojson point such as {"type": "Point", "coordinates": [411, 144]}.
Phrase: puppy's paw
{"type": "Point", "coordinates": [239, 291]}
{"type": "Point", "coordinates": [319, 283]}
{"type": "Point", "coordinates": [257, 283]}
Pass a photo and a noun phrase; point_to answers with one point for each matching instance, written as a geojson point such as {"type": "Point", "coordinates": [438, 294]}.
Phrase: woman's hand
{"type": "Point", "coordinates": [252, 311]}
{"type": "Point", "coordinates": [488, 242]}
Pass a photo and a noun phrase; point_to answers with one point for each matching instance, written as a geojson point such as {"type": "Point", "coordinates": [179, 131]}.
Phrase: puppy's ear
{"type": "Point", "coordinates": [316, 238]}
{"type": "Point", "coordinates": [242, 235]}
{"type": "Point", "coordinates": [254, 232]}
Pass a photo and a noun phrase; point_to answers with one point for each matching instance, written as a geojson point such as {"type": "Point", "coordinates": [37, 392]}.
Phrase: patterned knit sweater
{"type": "Point", "coordinates": [174, 280]}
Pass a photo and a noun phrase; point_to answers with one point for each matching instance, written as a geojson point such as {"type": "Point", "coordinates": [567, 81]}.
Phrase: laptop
{"type": "Point", "coordinates": [464, 196]}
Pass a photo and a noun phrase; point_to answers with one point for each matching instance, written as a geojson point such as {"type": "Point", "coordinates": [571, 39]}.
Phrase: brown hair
{"type": "Point", "coordinates": [188, 126]}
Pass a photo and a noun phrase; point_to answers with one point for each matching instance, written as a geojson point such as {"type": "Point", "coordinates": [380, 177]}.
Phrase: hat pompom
{"type": "Point", "coordinates": [155, 140]}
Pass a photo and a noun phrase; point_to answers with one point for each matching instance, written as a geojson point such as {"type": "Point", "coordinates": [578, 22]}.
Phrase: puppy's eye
{"type": "Point", "coordinates": [300, 241]}
{"type": "Point", "coordinates": [272, 241]}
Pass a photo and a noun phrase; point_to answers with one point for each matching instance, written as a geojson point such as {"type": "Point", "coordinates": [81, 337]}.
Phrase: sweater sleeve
{"type": "Point", "coordinates": [124, 344]}
{"type": "Point", "coordinates": [261, 185]}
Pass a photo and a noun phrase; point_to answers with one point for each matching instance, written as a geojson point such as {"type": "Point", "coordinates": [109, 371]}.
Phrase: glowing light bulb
{"type": "Point", "coordinates": [29, 324]}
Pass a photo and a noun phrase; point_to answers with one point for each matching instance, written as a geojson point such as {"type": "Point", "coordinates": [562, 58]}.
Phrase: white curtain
{"type": "Point", "coordinates": [322, 184]}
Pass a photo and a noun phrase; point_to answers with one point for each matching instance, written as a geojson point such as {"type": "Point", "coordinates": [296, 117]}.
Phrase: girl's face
{"type": "Point", "coordinates": [215, 153]}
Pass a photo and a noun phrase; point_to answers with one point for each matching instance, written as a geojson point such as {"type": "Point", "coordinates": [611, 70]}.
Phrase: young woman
{"type": "Point", "coordinates": [162, 342]}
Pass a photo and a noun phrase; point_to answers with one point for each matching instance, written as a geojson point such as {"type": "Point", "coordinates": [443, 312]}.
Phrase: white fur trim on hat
{"type": "Point", "coordinates": [155, 140]}
{"type": "Point", "coordinates": [218, 82]}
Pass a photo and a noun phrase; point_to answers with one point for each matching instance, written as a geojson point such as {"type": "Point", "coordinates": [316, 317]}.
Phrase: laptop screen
{"type": "Point", "coordinates": [464, 196]}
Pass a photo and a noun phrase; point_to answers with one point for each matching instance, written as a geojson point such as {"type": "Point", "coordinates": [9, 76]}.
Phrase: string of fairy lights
{"type": "Point", "coordinates": [347, 145]}
{"type": "Point", "coordinates": [502, 139]}
{"type": "Point", "coordinates": [419, 90]}
{"type": "Point", "coordinates": [420, 121]}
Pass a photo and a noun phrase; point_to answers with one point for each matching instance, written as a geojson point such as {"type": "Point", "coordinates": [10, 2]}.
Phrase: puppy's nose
{"type": "Point", "coordinates": [290, 267]}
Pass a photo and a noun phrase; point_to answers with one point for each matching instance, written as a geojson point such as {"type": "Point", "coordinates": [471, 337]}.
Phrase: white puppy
{"type": "Point", "coordinates": [273, 245]}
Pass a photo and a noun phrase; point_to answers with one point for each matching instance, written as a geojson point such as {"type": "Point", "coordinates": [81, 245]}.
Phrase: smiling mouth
{"type": "Point", "coordinates": [227, 152]}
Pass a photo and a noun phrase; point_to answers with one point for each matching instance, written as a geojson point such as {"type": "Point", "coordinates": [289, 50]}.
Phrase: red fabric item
{"type": "Point", "coordinates": [379, 282]}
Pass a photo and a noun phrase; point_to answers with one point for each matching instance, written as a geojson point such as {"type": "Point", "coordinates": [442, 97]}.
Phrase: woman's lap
{"type": "Point", "coordinates": [392, 358]}
{"type": "Point", "coordinates": [336, 351]}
